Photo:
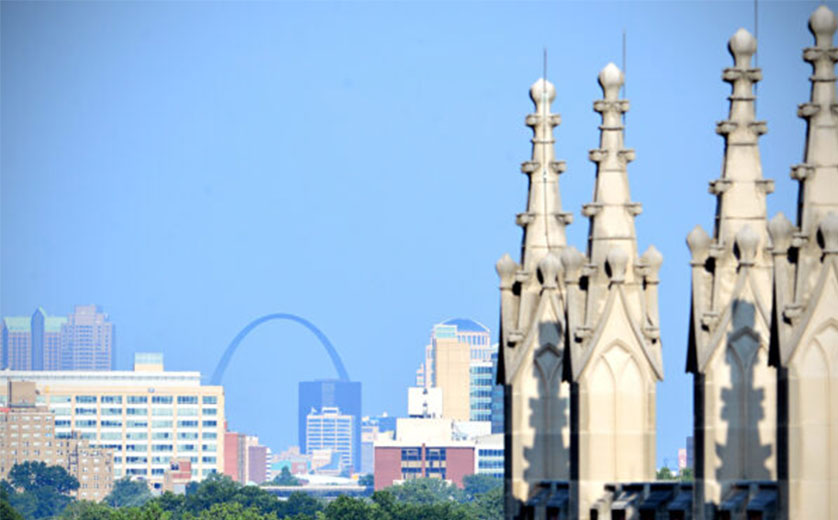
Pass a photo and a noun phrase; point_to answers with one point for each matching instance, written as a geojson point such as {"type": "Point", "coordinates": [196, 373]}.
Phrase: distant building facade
{"type": "Point", "coordinates": [27, 434]}
{"type": "Point", "coordinates": [330, 393]}
{"type": "Point", "coordinates": [84, 340]}
{"type": "Point", "coordinates": [329, 429]}
{"type": "Point", "coordinates": [460, 361]}
{"type": "Point", "coordinates": [147, 416]}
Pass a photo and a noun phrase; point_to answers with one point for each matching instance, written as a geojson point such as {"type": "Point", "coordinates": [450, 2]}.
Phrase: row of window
{"type": "Point", "coordinates": [135, 399]}
{"type": "Point", "coordinates": [105, 423]}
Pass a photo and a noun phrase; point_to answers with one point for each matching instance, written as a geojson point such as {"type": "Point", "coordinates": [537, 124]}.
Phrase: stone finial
{"type": "Point", "coordinates": [549, 268]}
{"type": "Point", "coordinates": [746, 242]}
{"type": "Point", "coordinates": [653, 259]}
{"type": "Point", "coordinates": [781, 230]}
{"type": "Point", "coordinates": [506, 268]}
{"type": "Point", "coordinates": [611, 79]}
{"type": "Point", "coordinates": [617, 260]}
{"type": "Point", "coordinates": [829, 233]}
{"type": "Point", "coordinates": [572, 261]}
{"type": "Point", "coordinates": [542, 91]}
{"type": "Point", "coordinates": [742, 46]}
{"type": "Point", "coordinates": [823, 24]}
{"type": "Point", "coordinates": [699, 243]}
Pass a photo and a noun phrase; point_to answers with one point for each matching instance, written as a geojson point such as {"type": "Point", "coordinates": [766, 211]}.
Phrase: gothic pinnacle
{"type": "Point", "coordinates": [741, 190]}
{"type": "Point", "coordinates": [543, 222]}
{"type": "Point", "coordinates": [818, 175]}
{"type": "Point", "coordinates": [611, 212]}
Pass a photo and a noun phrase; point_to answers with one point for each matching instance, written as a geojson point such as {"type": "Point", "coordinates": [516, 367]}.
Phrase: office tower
{"type": "Point", "coordinates": [17, 343]}
{"type": "Point", "coordinates": [458, 360]}
{"type": "Point", "coordinates": [27, 434]}
{"type": "Point", "coordinates": [87, 340]}
{"type": "Point", "coordinates": [147, 416]}
{"type": "Point", "coordinates": [330, 429]}
{"type": "Point", "coordinates": [343, 395]}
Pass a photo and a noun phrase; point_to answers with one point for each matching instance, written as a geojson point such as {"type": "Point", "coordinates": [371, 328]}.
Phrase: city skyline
{"type": "Point", "coordinates": [179, 190]}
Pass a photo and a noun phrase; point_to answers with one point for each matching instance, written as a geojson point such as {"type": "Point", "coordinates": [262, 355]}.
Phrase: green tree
{"type": "Point", "coordinates": [230, 511]}
{"type": "Point", "coordinates": [426, 491]}
{"type": "Point", "coordinates": [285, 478]}
{"type": "Point", "coordinates": [665, 474]}
{"type": "Point", "coordinates": [488, 505]}
{"type": "Point", "coordinates": [348, 508]}
{"type": "Point", "coordinates": [474, 485]}
{"type": "Point", "coordinates": [43, 490]}
{"type": "Point", "coordinates": [7, 512]}
{"type": "Point", "coordinates": [127, 492]}
{"type": "Point", "coordinates": [686, 475]}
{"type": "Point", "coordinates": [86, 510]}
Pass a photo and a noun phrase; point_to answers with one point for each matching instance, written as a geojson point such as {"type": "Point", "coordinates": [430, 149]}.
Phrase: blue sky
{"type": "Point", "coordinates": [191, 166]}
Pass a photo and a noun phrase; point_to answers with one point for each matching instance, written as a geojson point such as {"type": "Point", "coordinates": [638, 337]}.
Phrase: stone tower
{"type": "Point", "coordinates": [612, 322]}
{"type": "Point", "coordinates": [804, 343]}
{"type": "Point", "coordinates": [532, 322]}
{"type": "Point", "coordinates": [734, 387]}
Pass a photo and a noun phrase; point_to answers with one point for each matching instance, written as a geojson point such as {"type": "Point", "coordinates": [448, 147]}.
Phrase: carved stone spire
{"type": "Point", "coordinates": [804, 342]}
{"type": "Point", "coordinates": [611, 212]}
{"type": "Point", "coordinates": [741, 190]}
{"type": "Point", "coordinates": [532, 321]}
{"type": "Point", "coordinates": [544, 222]}
{"type": "Point", "coordinates": [735, 389]}
{"type": "Point", "coordinates": [818, 175]}
{"type": "Point", "coordinates": [612, 320]}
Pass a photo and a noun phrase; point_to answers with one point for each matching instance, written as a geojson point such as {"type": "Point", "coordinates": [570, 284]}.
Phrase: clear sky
{"type": "Point", "coordinates": [191, 166]}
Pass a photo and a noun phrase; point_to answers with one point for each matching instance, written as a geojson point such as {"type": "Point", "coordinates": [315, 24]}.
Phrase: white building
{"type": "Point", "coordinates": [329, 429]}
{"type": "Point", "coordinates": [146, 416]}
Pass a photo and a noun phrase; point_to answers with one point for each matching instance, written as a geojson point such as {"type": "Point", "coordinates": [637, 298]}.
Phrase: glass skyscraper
{"type": "Point", "coordinates": [331, 393]}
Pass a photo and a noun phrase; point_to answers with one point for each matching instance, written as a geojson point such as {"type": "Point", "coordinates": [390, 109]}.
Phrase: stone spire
{"type": "Point", "coordinates": [532, 321]}
{"type": "Point", "coordinates": [741, 190]}
{"type": "Point", "coordinates": [735, 389]}
{"type": "Point", "coordinates": [611, 213]}
{"type": "Point", "coordinates": [804, 342]}
{"type": "Point", "coordinates": [818, 175]}
{"type": "Point", "coordinates": [543, 222]}
{"type": "Point", "coordinates": [612, 321]}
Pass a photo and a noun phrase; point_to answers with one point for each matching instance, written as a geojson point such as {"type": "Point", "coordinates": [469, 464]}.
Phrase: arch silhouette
{"type": "Point", "coordinates": [231, 349]}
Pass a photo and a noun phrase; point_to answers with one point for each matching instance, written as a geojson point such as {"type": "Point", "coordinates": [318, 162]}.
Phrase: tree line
{"type": "Point", "coordinates": [35, 491]}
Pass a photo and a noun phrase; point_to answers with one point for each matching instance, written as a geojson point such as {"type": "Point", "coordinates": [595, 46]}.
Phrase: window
{"type": "Point", "coordinates": [187, 411]}
{"type": "Point", "coordinates": [111, 411]}
{"type": "Point", "coordinates": [161, 447]}
{"type": "Point", "coordinates": [136, 411]}
{"type": "Point", "coordinates": [136, 436]}
{"type": "Point", "coordinates": [85, 399]}
{"type": "Point", "coordinates": [112, 399]}
{"type": "Point", "coordinates": [188, 424]}
{"type": "Point", "coordinates": [210, 399]}
{"type": "Point", "coordinates": [209, 411]}
{"type": "Point", "coordinates": [161, 399]}
{"type": "Point", "coordinates": [161, 424]}
{"type": "Point", "coordinates": [186, 447]}
{"type": "Point", "coordinates": [85, 424]}
{"type": "Point", "coordinates": [210, 424]}
{"type": "Point", "coordinates": [208, 460]}
{"type": "Point", "coordinates": [137, 424]}
{"type": "Point", "coordinates": [161, 411]}
{"type": "Point", "coordinates": [209, 447]}
{"type": "Point", "coordinates": [85, 411]}
{"type": "Point", "coordinates": [161, 435]}
{"type": "Point", "coordinates": [112, 424]}
{"type": "Point", "coordinates": [187, 399]}
{"type": "Point", "coordinates": [210, 435]}
{"type": "Point", "coordinates": [137, 399]}
{"type": "Point", "coordinates": [187, 435]}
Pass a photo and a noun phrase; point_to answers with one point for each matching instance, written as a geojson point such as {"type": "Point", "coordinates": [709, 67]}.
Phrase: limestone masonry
{"type": "Point", "coordinates": [580, 352]}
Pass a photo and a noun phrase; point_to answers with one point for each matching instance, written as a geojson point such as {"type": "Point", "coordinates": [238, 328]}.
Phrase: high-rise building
{"type": "Point", "coordinates": [459, 361]}
{"type": "Point", "coordinates": [330, 393]}
{"type": "Point", "coordinates": [27, 434]}
{"type": "Point", "coordinates": [82, 341]}
{"type": "Point", "coordinates": [330, 429]}
{"type": "Point", "coordinates": [87, 340]}
{"type": "Point", "coordinates": [147, 416]}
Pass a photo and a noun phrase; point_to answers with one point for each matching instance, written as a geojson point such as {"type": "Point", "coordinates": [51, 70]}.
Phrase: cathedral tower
{"type": "Point", "coordinates": [612, 322]}
{"type": "Point", "coordinates": [532, 322]}
{"type": "Point", "coordinates": [804, 343]}
{"type": "Point", "coordinates": [734, 387]}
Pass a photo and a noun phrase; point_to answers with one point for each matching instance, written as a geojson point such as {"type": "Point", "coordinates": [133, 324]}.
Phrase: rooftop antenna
{"type": "Point", "coordinates": [624, 81]}
{"type": "Point", "coordinates": [756, 52]}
